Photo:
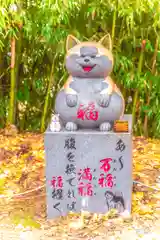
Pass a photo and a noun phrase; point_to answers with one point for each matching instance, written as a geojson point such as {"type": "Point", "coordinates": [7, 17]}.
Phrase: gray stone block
{"type": "Point", "coordinates": [89, 170]}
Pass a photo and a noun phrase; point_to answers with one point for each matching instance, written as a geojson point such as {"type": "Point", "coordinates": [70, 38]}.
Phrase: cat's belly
{"type": "Point", "coordinates": [87, 113]}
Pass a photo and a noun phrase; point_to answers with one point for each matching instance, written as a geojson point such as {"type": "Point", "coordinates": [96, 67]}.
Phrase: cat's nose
{"type": "Point", "coordinates": [86, 60]}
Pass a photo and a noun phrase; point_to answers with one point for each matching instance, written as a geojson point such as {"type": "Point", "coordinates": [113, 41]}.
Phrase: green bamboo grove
{"type": "Point", "coordinates": [32, 50]}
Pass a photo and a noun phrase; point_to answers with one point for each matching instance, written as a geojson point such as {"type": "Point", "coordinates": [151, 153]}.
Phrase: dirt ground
{"type": "Point", "coordinates": [23, 206]}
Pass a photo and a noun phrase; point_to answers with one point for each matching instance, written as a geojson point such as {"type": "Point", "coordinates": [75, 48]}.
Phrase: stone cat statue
{"type": "Point", "coordinates": [89, 98]}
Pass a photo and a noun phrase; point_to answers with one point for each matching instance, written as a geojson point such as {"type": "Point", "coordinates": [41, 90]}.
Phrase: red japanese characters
{"type": "Point", "coordinates": [105, 164]}
{"type": "Point", "coordinates": [106, 180]}
{"type": "Point", "coordinates": [57, 182]}
{"type": "Point", "coordinates": [85, 187]}
{"type": "Point", "coordinates": [87, 112]}
{"type": "Point", "coordinates": [85, 174]}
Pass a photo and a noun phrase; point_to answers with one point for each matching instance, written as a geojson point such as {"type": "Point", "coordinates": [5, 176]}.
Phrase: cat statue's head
{"type": "Point", "coordinates": [89, 59]}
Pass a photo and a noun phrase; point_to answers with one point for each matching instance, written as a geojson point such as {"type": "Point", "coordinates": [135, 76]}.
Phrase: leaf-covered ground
{"type": "Point", "coordinates": [22, 196]}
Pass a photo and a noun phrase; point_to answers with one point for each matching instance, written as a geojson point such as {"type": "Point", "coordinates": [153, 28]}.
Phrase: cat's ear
{"type": "Point", "coordinates": [106, 42]}
{"type": "Point", "coordinates": [71, 42]}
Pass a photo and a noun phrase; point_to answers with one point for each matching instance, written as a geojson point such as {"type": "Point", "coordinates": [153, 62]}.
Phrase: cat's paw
{"type": "Point", "coordinates": [71, 100]}
{"type": "Point", "coordinates": [104, 100]}
{"type": "Point", "coordinates": [71, 126]}
{"type": "Point", "coordinates": [105, 127]}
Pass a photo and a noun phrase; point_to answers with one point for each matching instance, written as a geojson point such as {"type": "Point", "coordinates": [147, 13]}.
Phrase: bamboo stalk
{"type": "Point", "coordinates": [114, 26]}
{"type": "Point", "coordinates": [17, 65]}
{"type": "Point", "coordinates": [47, 100]}
{"type": "Point", "coordinates": [135, 98]}
{"type": "Point", "coordinates": [13, 83]}
{"type": "Point", "coordinates": [150, 87]}
{"type": "Point", "coordinates": [120, 36]}
{"type": "Point", "coordinates": [124, 92]}
{"type": "Point", "coordinates": [1, 74]}
{"type": "Point", "coordinates": [2, 117]}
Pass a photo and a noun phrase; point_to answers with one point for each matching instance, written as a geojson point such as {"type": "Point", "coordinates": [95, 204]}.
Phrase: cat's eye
{"type": "Point", "coordinates": [93, 56]}
{"type": "Point", "coordinates": [83, 56]}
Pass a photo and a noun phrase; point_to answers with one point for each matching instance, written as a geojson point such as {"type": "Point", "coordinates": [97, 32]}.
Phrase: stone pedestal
{"type": "Point", "coordinates": [88, 170]}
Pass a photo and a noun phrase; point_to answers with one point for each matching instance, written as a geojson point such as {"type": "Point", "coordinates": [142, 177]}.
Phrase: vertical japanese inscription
{"type": "Point", "coordinates": [85, 187]}
{"type": "Point", "coordinates": [106, 178]}
{"type": "Point", "coordinates": [114, 200]}
{"type": "Point", "coordinates": [120, 147]}
{"type": "Point", "coordinates": [57, 192]}
{"type": "Point", "coordinates": [108, 167]}
{"type": "Point", "coordinates": [70, 171]}
{"type": "Point", "coordinates": [118, 164]}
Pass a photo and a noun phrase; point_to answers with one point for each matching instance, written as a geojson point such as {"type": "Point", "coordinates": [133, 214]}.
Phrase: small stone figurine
{"type": "Point", "coordinates": [55, 125]}
{"type": "Point", "coordinates": [89, 99]}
